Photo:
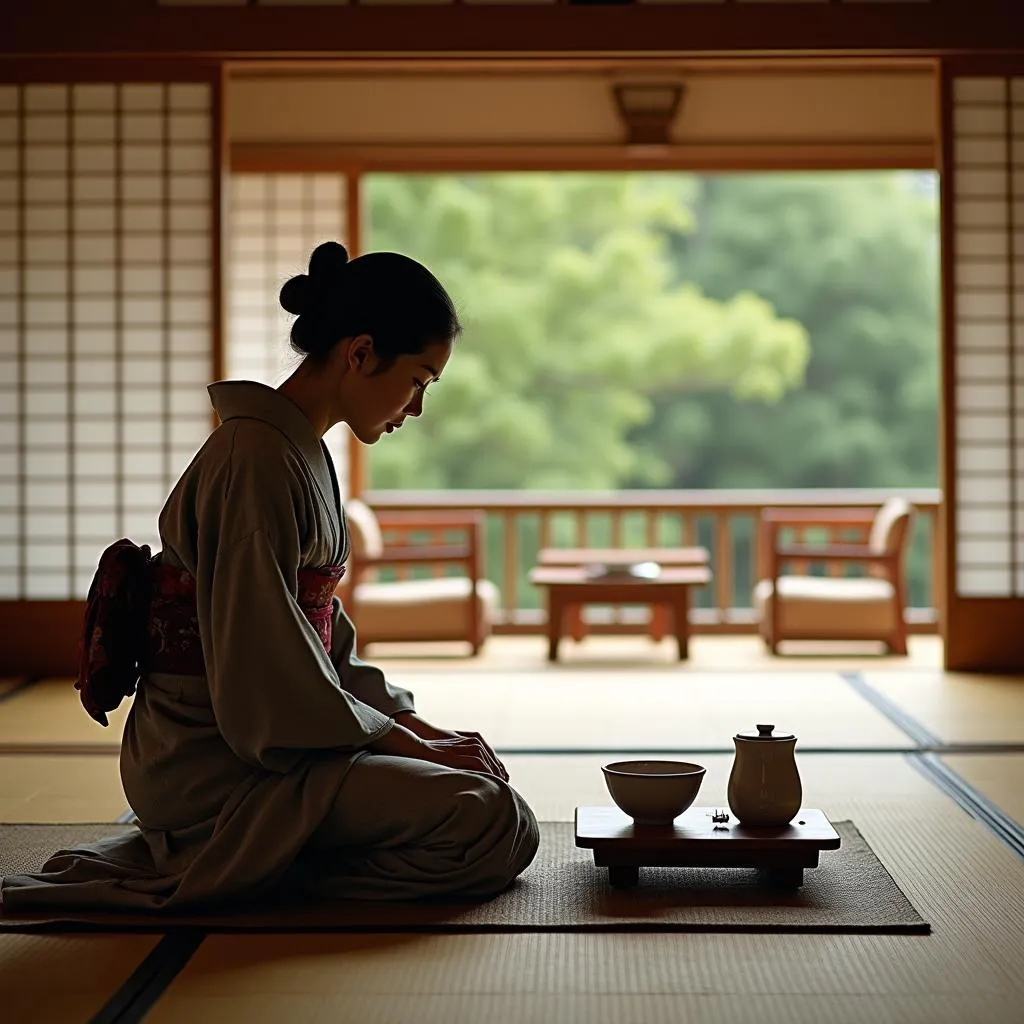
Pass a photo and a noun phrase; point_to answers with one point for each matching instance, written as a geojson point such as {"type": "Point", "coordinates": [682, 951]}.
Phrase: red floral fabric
{"type": "Point", "coordinates": [114, 629]}
{"type": "Point", "coordinates": [141, 617]}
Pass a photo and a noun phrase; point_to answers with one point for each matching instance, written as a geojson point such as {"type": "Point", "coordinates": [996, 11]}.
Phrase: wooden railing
{"type": "Point", "coordinates": [519, 523]}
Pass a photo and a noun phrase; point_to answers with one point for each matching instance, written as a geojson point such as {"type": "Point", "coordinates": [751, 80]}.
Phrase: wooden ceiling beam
{"type": "Point", "coordinates": [139, 27]}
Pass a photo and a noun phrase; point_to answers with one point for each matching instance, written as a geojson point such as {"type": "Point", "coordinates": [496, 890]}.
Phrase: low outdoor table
{"type": "Point", "coordinates": [696, 839]}
{"type": "Point", "coordinates": [571, 587]}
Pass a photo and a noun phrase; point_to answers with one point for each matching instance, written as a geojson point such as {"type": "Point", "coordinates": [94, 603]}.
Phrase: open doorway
{"type": "Point", "coordinates": [725, 337]}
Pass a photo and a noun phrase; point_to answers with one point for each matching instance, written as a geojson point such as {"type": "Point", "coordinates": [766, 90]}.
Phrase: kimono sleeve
{"type": "Point", "coordinates": [275, 691]}
{"type": "Point", "coordinates": [366, 682]}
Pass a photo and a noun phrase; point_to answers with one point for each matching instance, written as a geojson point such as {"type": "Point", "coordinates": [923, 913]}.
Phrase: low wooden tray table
{"type": "Point", "coordinates": [696, 839]}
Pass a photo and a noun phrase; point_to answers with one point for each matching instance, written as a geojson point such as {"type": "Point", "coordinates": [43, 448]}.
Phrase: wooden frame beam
{"type": "Point", "coordinates": [358, 470]}
{"type": "Point", "coordinates": [943, 27]}
{"type": "Point", "coordinates": [257, 157]}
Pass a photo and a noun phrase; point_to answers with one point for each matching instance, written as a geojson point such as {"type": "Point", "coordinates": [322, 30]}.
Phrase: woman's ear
{"type": "Point", "coordinates": [360, 352]}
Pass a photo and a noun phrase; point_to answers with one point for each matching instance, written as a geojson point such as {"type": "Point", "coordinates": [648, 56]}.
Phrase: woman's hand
{"type": "Point", "coordinates": [463, 751]}
{"type": "Point", "coordinates": [411, 721]}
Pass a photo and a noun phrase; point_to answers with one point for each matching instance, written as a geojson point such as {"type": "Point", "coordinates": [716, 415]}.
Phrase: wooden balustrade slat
{"type": "Point", "coordinates": [689, 530]}
{"type": "Point", "coordinates": [510, 590]}
{"type": "Point", "coordinates": [723, 563]}
{"type": "Point", "coordinates": [437, 537]}
{"type": "Point", "coordinates": [651, 535]}
{"type": "Point", "coordinates": [545, 529]}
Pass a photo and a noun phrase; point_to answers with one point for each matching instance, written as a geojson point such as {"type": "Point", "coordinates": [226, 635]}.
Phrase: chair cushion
{"type": "Point", "coordinates": [830, 607]}
{"type": "Point", "coordinates": [830, 588]}
{"type": "Point", "coordinates": [422, 609]}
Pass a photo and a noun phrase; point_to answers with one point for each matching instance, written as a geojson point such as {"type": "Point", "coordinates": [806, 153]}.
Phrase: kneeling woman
{"type": "Point", "coordinates": [260, 754]}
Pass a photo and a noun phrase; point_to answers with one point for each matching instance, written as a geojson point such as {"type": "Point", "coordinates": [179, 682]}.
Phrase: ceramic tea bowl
{"type": "Point", "coordinates": [653, 792]}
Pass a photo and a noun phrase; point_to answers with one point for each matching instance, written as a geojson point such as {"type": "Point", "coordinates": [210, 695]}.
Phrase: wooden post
{"type": "Point", "coordinates": [358, 470]}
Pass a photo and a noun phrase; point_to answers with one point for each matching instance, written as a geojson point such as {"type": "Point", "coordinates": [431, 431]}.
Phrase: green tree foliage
{"type": "Point", "coordinates": [854, 259]}
{"type": "Point", "coordinates": [758, 330]}
{"type": "Point", "coordinates": [580, 330]}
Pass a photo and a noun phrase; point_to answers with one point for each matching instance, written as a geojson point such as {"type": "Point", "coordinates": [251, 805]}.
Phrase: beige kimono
{"type": "Point", "coordinates": [256, 774]}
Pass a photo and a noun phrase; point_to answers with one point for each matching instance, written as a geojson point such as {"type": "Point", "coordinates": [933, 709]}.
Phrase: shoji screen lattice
{"type": "Point", "coordinates": [106, 318]}
{"type": "Point", "coordinates": [988, 244]}
{"type": "Point", "coordinates": [275, 222]}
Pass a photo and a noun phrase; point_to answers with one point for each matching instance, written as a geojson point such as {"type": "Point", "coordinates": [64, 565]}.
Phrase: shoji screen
{"type": "Point", "coordinates": [107, 316]}
{"type": "Point", "coordinates": [984, 237]}
{"type": "Point", "coordinates": [274, 222]}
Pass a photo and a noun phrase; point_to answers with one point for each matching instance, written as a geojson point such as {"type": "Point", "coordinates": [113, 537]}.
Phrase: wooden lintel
{"type": "Point", "coordinates": [943, 27]}
{"type": "Point", "coordinates": [255, 157]}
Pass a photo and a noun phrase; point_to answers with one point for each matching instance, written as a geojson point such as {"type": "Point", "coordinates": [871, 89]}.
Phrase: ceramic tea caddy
{"type": "Point", "coordinates": [764, 784]}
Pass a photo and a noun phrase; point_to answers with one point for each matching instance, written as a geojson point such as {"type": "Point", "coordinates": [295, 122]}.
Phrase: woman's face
{"type": "Point", "coordinates": [384, 398]}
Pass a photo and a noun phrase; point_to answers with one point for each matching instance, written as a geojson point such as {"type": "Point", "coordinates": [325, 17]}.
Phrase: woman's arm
{"type": "Point", "coordinates": [365, 682]}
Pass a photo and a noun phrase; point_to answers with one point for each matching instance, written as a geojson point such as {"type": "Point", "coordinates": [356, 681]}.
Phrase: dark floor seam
{"type": "Point", "coordinates": [969, 799]}
{"type": "Point", "coordinates": [921, 736]}
{"type": "Point", "coordinates": [22, 686]}
{"type": "Point", "coordinates": [131, 1003]}
{"type": "Point", "coordinates": [927, 759]}
{"type": "Point", "coordinates": [639, 751]}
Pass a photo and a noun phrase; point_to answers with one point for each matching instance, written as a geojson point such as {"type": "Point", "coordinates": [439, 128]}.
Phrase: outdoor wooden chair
{"type": "Point", "coordinates": [438, 608]}
{"type": "Point", "coordinates": [807, 607]}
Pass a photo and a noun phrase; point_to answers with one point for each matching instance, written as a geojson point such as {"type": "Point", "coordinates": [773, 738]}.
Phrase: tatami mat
{"type": "Point", "coordinates": [607, 1008]}
{"type": "Point", "coordinates": [955, 707]}
{"type": "Point", "coordinates": [672, 709]}
{"type": "Point", "coordinates": [60, 789]}
{"type": "Point", "coordinates": [49, 712]}
{"type": "Point", "coordinates": [9, 685]}
{"type": "Point", "coordinates": [739, 653]}
{"type": "Point", "coordinates": [997, 777]}
{"type": "Point", "coordinates": [961, 878]}
{"type": "Point", "coordinates": [64, 979]}
{"type": "Point", "coordinates": [562, 709]}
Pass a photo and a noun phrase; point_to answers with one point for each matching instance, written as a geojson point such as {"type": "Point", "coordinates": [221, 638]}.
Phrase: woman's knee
{"type": "Point", "coordinates": [486, 801]}
{"type": "Point", "coordinates": [529, 829]}
{"type": "Point", "coordinates": [506, 835]}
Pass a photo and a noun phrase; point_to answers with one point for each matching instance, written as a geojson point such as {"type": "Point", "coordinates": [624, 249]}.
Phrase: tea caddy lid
{"type": "Point", "coordinates": [765, 733]}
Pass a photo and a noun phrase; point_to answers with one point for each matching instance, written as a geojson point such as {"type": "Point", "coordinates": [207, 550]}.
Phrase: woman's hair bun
{"type": "Point", "coordinates": [295, 294]}
{"type": "Point", "coordinates": [327, 261]}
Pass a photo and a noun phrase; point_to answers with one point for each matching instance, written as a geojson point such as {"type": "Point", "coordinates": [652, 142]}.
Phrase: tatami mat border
{"type": "Point", "coordinates": [135, 998]}
{"type": "Point", "coordinates": [20, 687]}
{"type": "Point", "coordinates": [921, 736]}
{"type": "Point", "coordinates": [975, 803]}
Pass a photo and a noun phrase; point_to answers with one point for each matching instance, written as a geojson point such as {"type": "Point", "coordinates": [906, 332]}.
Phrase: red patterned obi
{"type": "Point", "coordinates": [173, 644]}
{"type": "Point", "coordinates": [141, 617]}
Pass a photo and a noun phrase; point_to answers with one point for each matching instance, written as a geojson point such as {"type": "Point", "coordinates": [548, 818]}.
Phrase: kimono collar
{"type": "Point", "coordinates": [235, 399]}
